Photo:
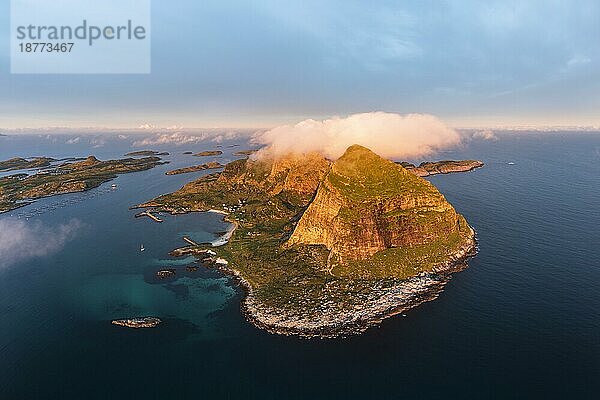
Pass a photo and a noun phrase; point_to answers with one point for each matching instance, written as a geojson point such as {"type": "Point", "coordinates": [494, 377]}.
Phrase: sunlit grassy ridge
{"type": "Point", "coordinates": [361, 174]}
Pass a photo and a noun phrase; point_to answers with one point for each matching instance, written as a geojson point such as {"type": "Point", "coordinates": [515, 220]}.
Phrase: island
{"type": "Point", "coordinates": [209, 153]}
{"type": "Point", "coordinates": [146, 153]}
{"type": "Point", "coordinates": [22, 163]}
{"type": "Point", "coordinates": [442, 167]}
{"type": "Point", "coordinates": [195, 168]}
{"type": "Point", "coordinates": [328, 248]}
{"type": "Point", "coordinates": [166, 273]}
{"type": "Point", "coordinates": [138, 322]}
{"type": "Point", "coordinates": [78, 176]}
{"type": "Point", "coordinates": [244, 152]}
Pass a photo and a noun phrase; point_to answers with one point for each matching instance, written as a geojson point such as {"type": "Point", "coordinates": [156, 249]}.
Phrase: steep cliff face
{"type": "Point", "coordinates": [297, 174]}
{"type": "Point", "coordinates": [366, 205]}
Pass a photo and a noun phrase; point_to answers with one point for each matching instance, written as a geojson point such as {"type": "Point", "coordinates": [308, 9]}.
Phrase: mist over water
{"type": "Point", "coordinates": [522, 321]}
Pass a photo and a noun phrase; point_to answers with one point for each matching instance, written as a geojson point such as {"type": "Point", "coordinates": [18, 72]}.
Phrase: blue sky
{"type": "Point", "coordinates": [266, 62]}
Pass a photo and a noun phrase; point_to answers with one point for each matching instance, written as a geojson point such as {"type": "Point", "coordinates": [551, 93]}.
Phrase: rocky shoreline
{"type": "Point", "coordinates": [442, 167]}
{"type": "Point", "coordinates": [386, 299]}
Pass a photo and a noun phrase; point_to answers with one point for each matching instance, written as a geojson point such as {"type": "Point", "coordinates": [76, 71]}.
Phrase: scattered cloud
{"type": "Point", "coordinates": [372, 36]}
{"type": "Point", "coordinates": [175, 138]}
{"type": "Point", "coordinates": [389, 135]}
{"type": "Point", "coordinates": [74, 140]}
{"type": "Point", "coordinates": [230, 135]}
{"type": "Point", "coordinates": [578, 61]}
{"type": "Point", "coordinates": [147, 127]}
{"type": "Point", "coordinates": [189, 137]}
{"type": "Point", "coordinates": [97, 142]}
{"type": "Point", "coordinates": [486, 134]}
{"type": "Point", "coordinates": [21, 240]}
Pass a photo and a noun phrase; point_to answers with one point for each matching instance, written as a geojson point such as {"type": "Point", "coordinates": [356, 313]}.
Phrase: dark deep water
{"type": "Point", "coordinates": [523, 321]}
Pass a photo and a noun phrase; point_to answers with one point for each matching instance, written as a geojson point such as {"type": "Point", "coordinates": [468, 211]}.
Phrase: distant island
{"type": "Point", "coordinates": [244, 152]}
{"type": "Point", "coordinates": [209, 153]}
{"type": "Point", "coordinates": [147, 153]}
{"type": "Point", "coordinates": [69, 177]}
{"type": "Point", "coordinates": [442, 167]}
{"type": "Point", "coordinates": [328, 248]}
{"type": "Point", "coordinates": [195, 168]}
{"type": "Point", "coordinates": [17, 163]}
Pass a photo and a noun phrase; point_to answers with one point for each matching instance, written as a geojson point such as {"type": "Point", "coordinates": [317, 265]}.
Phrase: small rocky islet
{"type": "Point", "coordinates": [328, 248]}
{"type": "Point", "coordinates": [138, 322]}
{"type": "Point", "coordinates": [208, 153]}
{"type": "Point", "coordinates": [147, 153]}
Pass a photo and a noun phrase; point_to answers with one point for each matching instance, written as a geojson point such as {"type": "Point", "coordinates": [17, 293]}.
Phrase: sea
{"type": "Point", "coordinates": [522, 322]}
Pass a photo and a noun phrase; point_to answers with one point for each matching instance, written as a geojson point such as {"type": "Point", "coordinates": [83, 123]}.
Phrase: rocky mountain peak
{"type": "Point", "coordinates": [367, 204]}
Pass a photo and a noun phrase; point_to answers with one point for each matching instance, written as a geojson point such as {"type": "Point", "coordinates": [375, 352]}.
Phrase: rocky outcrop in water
{"type": "Point", "coordinates": [137, 323]}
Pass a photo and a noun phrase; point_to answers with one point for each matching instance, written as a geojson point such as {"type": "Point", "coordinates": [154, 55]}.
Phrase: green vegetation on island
{"type": "Point", "coordinates": [69, 177]}
{"type": "Point", "coordinates": [209, 153]}
{"type": "Point", "coordinates": [195, 168]}
{"type": "Point", "coordinates": [329, 248]}
{"type": "Point", "coordinates": [147, 153]}
{"type": "Point", "coordinates": [442, 167]}
{"type": "Point", "coordinates": [22, 163]}
{"type": "Point", "coordinates": [244, 152]}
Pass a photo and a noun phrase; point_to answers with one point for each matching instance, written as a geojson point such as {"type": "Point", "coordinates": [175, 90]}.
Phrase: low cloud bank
{"type": "Point", "coordinates": [175, 138]}
{"type": "Point", "coordinates": [486, 134]}
{"type": "Point", "coordinates": [183, 138]}
{"type": "Point", "coordinates": [21, 240]}
{"type": "Point", "coordinates": [390, 135]}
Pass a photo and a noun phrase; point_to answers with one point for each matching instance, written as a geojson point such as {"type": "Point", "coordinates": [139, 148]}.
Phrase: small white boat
{"type": "Point", "coordinates": [142, 248]}
{"type": "Point", "coordinates": [511, 163]}
{"type": "Point", "coordinates": [114, 186]}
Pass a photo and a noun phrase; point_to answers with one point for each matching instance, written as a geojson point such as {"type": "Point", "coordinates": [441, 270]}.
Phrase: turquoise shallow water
{"type": "Point", "coordinates": [522, 321]}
